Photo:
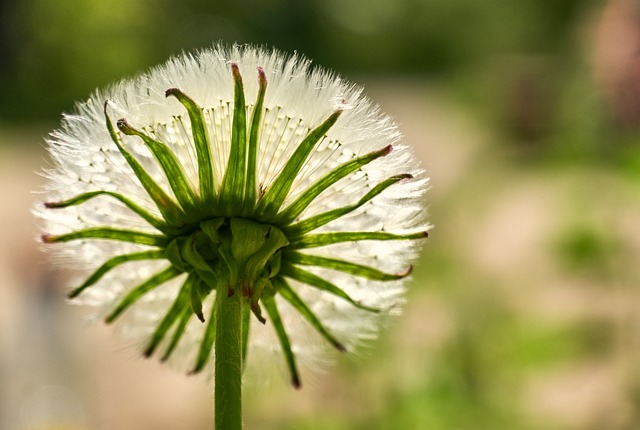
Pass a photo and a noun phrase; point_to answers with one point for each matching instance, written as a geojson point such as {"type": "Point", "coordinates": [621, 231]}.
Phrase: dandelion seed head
{"type": "Point", "coordinates": [383, 194]}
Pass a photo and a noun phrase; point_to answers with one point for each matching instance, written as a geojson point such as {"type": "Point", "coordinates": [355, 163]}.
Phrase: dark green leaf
{"type": "Point", "coordinates": [173, 314]}
{"type": "Point", "coordinates": [110, 234]}
{"type": "Point", "coordinates": [136, 293]}
{"type": "Point", "coordinates": [171, 212]}
{"type": "Point", "coordinates": [114, 262]}
{"type": "Point", "coordinates": [343, 266]}
{"type": "Point", "coordinates": [152, 220]}
{"type": "Point", "coordinates": [321, 284]}
{"type": "Point", "coordinates": [206, 345]}
{"type": "Point", "coordinates": [233, 183]}
{"type": "Point", "coordinates": [275, 195]}
{"type": "Point", "coordinates": [254, 135]}
{"type": "Point", "coordinates": [301, 203]}
{"type": "Point", "coordinates": [319, 220]}
{"type": "Point", "coordinates": [323, 239]}
{"type": "Point", "coordinates": [185, 316]}
{"type": "Point", "coordinates": [272, 310]}
{"type": "Point", "coordinates": [196, 300]}
{"type": "Point", "coordinates": [170, 166]}
{"type": "Point", "coordinates": [290, 295]}
{"type": "Point", "coordinates": [201, 141]}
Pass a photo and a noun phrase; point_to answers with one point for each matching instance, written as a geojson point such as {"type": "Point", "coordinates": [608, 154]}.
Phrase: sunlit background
{"type": "Point", "coordinates": [524, 312]}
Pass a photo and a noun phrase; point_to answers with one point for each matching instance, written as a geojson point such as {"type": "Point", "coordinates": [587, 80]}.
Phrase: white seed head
{"type": "Point", "coordinates": [298, 99]}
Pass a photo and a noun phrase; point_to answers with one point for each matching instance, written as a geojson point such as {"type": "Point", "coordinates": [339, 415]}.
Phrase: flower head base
{"type": "Point", "coordinates": [207, 185]}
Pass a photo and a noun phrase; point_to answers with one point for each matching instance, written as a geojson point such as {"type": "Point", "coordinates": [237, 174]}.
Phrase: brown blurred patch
{"type": "Point", "coordinates": [617, 59]}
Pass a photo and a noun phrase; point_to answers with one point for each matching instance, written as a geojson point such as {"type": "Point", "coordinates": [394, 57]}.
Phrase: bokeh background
{"type": "Point", "coordinates": [524, 311]}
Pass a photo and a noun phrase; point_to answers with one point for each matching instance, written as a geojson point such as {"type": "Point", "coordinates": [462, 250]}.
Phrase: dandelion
{"type": "Point", "coordinates": [224, 221]}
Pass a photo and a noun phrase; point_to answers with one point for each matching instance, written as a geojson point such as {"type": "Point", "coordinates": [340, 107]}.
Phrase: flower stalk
{"type": "Point", "coordinates": [228, 360]}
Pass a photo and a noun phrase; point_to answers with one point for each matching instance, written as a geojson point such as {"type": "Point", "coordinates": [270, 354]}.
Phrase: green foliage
{"type": "Point", "coordinates": [587, 249]}
{"type": "Point", "coordinates": [57, 52]}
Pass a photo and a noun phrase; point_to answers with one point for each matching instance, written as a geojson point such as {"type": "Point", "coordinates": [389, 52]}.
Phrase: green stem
{"type": "Point", "coordinates": [228, 360]}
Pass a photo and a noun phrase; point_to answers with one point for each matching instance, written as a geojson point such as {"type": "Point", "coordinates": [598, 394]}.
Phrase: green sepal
{"type": "Point", "coordinates": [108, 233]}
{"type": "Point", "coordinates": [251, 185]}
{"type": "Point", "coordinates": [323, 239]}
{"type": "Point", "coordinates": [191, 254]}
{"type": "Point", "coordinates": [185, 316]}
{"type": "Point", "coordinates": [112, 263]}
{"type": "Point", "coordinates": [170, 166]}
{"type": "Point", "coordinates": [256, 294]}
{"type": "Point", "coordinates": [173, 314]}
{"type": "Point", "coordinates": [322, 284]}
{"type": "Point", "coordinates": [270, 203]}
{"type": "Point", "coordinates": [319, 220]}
{"type": "Point", "coordinates": [247, 239]}
{"type": "Point", "coordinates": [137, 292]}
{"type": "Point", "coordinates": [290, 295]}
{"type": "Point", "coordinates": [227, 256]}
{"type": "Point", "coordinates": [294, 210]}
{"type": "Point", "coordinates": [275, 240]}
{"type": "Point", "coordinates": [198, 252]}
{"type": "Point", "coordinates": [192, 249]}
{"type": "Point", "coordinates": [274, 315]}
{"type": "Point", "coordinates": [173, 253]}
{"type": "Point", "coordinates": [152, 220]}
{"type": "Point", "coordinates": [170, 211]}
{"type": "Point", "coordinates": [195, 299]}
{"type": "Point", "coordinates": [273, 266]}
{"type": "Point", "coordinates": [233, 183]}
{"type": "Point", "coordinates": [206, 345]}
{"type": "Point", "coordinates": [344, 266]}
{"type": "Point", "coordinates": [201, 141]}
{"type": "Point", "coordinates": [211, 228]}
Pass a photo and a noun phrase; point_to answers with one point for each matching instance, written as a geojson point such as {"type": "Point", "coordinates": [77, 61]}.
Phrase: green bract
{"type": "Point", "coordinates": [233, 236]}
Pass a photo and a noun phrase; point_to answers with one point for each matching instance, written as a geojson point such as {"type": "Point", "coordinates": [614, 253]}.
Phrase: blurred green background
{"type": "Point", "coordinates": [524, 312]}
